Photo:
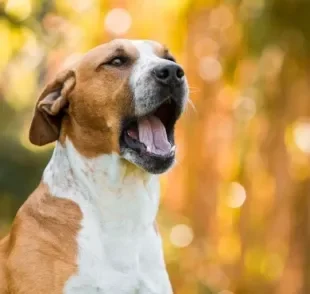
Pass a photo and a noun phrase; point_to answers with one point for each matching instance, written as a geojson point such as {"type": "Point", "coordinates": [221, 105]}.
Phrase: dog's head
{"type": "Point", "coordinates": [124, 97]}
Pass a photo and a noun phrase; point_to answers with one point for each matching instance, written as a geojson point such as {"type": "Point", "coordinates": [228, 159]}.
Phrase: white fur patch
{"type": "Point", "coordinates": [145, 47]}
{"type": "Point", "coordinates": [141, 81]}
{"type": "Point", "coordinates": [119, 251]}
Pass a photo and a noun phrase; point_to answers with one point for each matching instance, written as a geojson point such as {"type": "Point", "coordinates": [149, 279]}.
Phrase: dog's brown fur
{"type": "Point", "coordinates": [40, 252]}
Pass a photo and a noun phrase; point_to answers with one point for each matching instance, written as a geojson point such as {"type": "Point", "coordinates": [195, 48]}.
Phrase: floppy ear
{"type": "Point", "coordinates": [49, 111]}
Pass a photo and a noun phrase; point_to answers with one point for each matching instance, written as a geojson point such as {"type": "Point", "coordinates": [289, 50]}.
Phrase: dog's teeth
{"type": "Point", "coordinates": [173, 148]}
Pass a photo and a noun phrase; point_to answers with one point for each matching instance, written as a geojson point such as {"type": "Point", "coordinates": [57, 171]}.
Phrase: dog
{"type": "Point", "coordinates": [89, 227]}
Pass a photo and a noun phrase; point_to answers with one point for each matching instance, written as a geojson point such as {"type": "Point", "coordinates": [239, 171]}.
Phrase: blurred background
{"type": "Point", "coordinates": [235, 211]}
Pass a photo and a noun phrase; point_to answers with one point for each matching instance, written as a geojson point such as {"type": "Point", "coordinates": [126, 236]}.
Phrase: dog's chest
{"type": "Point", "coordinates": [118, 248]}
{"type": "Point", "coordinates": [116, 258]}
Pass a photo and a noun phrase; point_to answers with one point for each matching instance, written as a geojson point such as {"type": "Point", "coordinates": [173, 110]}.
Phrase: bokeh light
{"type": "Point", "coordinates": [181, 235]}
{"type": "Point", "coordinates": [206, 46]}
{"type": "Point", "coordinates": [117, 21]}
{"type": "Point", "coordinates": [221, 18]}
{"type": "Point", "coordinates": [236, 195]}
{"type": "Point", "coordinates": [20, 9]}
{"type": "Point", "coordinates": [210, 69]}
{"type": "Point", "coordinates": [301, 133]}
{"type": "Point", "coordinates": [245, 108]}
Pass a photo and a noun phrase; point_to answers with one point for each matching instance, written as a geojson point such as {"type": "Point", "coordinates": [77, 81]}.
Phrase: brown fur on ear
{"type": "Point", "coordinates": [46, 122]}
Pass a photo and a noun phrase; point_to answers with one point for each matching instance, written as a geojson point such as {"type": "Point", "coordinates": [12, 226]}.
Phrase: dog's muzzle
{"type": "Point", "coordinates": [147, 139]}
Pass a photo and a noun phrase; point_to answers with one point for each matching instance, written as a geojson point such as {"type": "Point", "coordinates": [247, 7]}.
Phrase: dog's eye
{"type": "Point", "coordinates": [118, 61]}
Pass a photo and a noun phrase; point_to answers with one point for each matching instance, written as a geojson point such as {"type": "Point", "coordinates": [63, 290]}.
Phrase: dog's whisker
{"type": "Point", "coordinates": [191, 103]}
{"type": "Point", "coordinates": [194, 90]}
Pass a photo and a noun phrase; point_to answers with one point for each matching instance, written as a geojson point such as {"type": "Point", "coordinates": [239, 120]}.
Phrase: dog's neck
{"type": "Point", "coordinates": [107, 187]}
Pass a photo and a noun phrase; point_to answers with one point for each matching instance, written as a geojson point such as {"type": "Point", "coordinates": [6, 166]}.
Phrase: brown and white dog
{"type": "Point", "coordinates": [89, 227]}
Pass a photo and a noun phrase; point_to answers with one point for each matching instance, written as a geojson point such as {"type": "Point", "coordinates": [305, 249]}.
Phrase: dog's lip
{"type": "Point", "coordinates": [151, 112]}
{"type": "Point", "coordinates": [171, 153]}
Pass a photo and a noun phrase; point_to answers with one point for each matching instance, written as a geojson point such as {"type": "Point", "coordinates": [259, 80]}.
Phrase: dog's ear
{"type": "Point", "coordinates": [50, 109]}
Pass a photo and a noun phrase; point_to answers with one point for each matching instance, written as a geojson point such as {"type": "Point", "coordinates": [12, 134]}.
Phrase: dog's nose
{"type": "Point", "coordinates": [169, 74]}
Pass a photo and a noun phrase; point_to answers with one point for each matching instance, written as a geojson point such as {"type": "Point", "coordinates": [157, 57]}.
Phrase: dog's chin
{"type": "Point", "coordinates": [150, 163]}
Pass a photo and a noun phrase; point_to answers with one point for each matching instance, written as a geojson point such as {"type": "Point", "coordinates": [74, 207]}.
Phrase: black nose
{"type": "Point", "coordinates": [169, 74]}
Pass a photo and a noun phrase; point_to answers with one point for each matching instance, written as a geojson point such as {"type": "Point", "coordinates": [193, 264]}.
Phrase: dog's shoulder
{"type": "Point", "coordinates": [43, 245]}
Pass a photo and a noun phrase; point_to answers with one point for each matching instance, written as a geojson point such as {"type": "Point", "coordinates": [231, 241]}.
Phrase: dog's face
{"type": "Point", "coordinates": [124, 96]}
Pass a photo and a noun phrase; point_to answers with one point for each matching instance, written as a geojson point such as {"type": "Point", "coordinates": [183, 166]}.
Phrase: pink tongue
{"type": "Point", "coordinates": [152, 134]}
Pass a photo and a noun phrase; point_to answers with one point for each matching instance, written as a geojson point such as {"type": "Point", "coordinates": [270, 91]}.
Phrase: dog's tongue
{"type": "Point", "coordinates": [152, 134]}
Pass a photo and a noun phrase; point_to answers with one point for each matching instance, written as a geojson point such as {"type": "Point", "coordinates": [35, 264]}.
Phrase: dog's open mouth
{"type": "Point", "coordinates": [152, 134]}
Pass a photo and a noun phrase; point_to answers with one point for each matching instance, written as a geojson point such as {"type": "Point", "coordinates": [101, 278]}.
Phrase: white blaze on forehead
{"type": "Point", "coordinates": [145, 47]}
{"type": "Point", "coordinates": [141, 81]}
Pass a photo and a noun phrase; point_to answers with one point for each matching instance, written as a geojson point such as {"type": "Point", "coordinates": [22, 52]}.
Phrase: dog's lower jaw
{"type": "Point", "coordinates": [119, 248]}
